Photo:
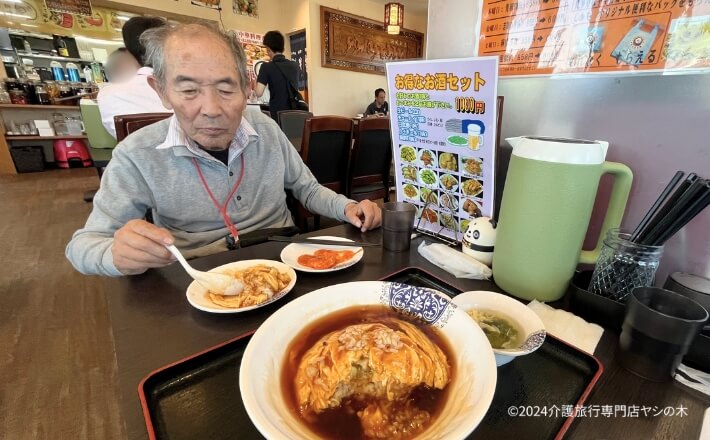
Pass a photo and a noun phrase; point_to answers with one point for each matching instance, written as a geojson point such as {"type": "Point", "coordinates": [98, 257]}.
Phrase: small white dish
{"type": "Point", "coordinates": [198, 298]}
{"type": "Point", "coordinates": [531, 324]}
{"type": "Point", "coordinates": [290, 254]}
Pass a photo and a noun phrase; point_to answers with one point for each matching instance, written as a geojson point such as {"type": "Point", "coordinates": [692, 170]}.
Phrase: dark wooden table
{"type": "Point", "coordinates": [153, 325]}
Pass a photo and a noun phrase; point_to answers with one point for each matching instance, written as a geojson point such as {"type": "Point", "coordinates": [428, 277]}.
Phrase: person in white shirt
{"type": "Point", "coordinates": [132, 95]}
{"type": "Point", "coordinates": [121, 65]}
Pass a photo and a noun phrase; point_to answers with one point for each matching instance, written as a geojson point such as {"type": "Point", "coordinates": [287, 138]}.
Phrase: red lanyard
{"type": "Point", "coordinates": [223, 208]}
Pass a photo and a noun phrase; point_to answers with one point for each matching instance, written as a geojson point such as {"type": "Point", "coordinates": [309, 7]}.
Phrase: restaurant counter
{"type": "Point", "coordinates": [154, 325]}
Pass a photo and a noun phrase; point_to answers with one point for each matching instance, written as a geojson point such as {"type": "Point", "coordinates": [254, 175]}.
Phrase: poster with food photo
{"type": "Point", "coordinates": [443, 119]}
{"type": "Point", "coordinates": [249, 8]}
{"type": "Point", "coordinates": [254, 49]}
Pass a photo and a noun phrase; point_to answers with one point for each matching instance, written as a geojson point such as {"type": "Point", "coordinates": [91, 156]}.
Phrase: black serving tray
{"type": "Point", "coordinates": [199, 397]}
{"type": "Point", "coordinates": [554, 375]}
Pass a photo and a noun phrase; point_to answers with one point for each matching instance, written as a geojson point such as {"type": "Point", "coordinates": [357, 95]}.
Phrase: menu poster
{"type": "Point", "coordinates": [254, 49]}
{"type": "Point", "coordinates": [76, 7]}
{"type": "Point", "coordinates": [574, 36]}
{"type": "Point", "coordinates": [443, 120]}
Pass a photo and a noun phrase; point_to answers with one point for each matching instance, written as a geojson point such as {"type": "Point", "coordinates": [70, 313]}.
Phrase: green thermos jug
{"type": "Point", "coordinates": [544, 215]}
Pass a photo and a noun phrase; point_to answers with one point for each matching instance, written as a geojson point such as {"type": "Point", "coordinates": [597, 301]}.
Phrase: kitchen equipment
{"type": "Point", "coordinates": [74, 126]}
{"type": "Point", "coordinates": [545, 211]}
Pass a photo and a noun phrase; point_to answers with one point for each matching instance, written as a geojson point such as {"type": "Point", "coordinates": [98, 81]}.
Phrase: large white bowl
{"type": "Point", "coordinates": [531, 324]}
{"type": "Point", "coordinates": [471, 390]}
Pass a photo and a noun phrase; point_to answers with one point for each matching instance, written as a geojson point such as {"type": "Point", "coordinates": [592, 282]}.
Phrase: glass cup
{"type": "Point", "coordinates": [397, 225]}
{"type": "Point", "coordinates": [624, 265]}
{"type": "Point", "coordinates": [659, 326]}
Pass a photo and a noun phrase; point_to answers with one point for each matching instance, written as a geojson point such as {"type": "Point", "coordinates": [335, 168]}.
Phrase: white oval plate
{"type": "Point", "coordinates": [290, 254]}
{"type": "Point", "coordinates": [197, 295]}
{"type": "Point", "coordinates": [470, 393]}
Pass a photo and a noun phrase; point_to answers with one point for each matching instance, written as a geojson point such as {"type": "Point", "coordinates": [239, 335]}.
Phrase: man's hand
{"type": "Point", "coordinates": [139, 245]}
{"type": "Point", "coordinates": [364, 215]}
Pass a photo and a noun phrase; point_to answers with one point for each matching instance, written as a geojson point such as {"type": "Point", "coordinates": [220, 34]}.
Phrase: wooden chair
{"type": "Point", "coordinates": [127, 124]}
{"type": "Point", "coordinates": [327, 141]}
{"type": "Point", "coordinates": [292, 123]}
{"type": "Point", "coordinates": [371, 158]}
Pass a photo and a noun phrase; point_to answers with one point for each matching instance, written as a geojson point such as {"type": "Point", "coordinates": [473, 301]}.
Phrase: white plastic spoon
{"type": "Point", "coordinates": [214, 282]}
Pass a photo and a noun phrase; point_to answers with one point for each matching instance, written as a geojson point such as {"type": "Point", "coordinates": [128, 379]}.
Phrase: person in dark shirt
{"type": "Point", "coordinates": [276, 74]}
{"type": "Point", "coordinates": [379, 106]}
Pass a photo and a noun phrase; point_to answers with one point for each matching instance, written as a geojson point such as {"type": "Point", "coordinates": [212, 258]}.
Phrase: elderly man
{"type": "Point", "coordinates": [207, 174]}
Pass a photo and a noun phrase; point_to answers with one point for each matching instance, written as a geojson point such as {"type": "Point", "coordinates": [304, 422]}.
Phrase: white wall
{"type": "Point", "coordinates": [342, 92]}
{"type": "Point", "coordinates": [451, 22]}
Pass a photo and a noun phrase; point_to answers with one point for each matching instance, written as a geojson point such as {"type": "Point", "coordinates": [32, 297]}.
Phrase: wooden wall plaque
{"type": "Point", "coordinates": [351, 42]}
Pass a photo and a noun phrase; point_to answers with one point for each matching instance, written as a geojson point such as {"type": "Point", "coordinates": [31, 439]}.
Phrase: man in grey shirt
{"type": "Point", "coordinates": [212, 170]}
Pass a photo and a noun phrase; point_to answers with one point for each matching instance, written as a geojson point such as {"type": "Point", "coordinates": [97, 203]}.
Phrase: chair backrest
{"type": "Point", "coordinates": [327, 141]}
{"type": "Point", "coordinates": [292, 123]}
{"type": "Point", "coordinates": [499, 119]}
{"type": "Point", "coordinates": [372, 153]}
{"type": "Point", "coordinates": [127, 124]}
{"type": "Point", "coordinates": [96, 133]}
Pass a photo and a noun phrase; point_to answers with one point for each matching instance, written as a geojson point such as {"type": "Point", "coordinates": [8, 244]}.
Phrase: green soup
{"type": "Point", "coordinates": [501, 331]}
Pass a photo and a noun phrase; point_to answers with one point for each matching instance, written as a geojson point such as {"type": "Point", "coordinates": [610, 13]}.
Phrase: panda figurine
{"type": "Point", "coordinates": [479, 239]}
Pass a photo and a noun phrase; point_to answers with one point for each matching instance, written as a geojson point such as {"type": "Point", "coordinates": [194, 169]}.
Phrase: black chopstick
{"type": "Point", "coordinates": [682, 188]}
{"type": "Point", "coordinates": [674, 212]}
{"type": "Point", "coordinates": [656, 205]}
{"type": "Point", "coordinates": [696, 207]}
{"type": "Point", "coordinates": [306, 240]}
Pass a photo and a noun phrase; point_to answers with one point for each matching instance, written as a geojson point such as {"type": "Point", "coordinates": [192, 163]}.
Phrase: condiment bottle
{"type": "Point", "coordinates": [42, 94]}
{"type": "Point", "coordinates": [18, 97]}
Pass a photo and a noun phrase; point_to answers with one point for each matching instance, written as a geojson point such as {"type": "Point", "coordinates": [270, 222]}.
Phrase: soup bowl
{"type": "Point", "coordinates": [526, 320]}
{"type": "Point", "coordinates": [467, 397]}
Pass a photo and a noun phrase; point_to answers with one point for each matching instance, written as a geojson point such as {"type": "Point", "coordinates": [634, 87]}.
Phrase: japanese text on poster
{"type": "Point", "coordinates": [254, 49]}
{"type": "Point", "coordinates": [572, 36]}
{"type": "Point", "coordinates": [443, 119]}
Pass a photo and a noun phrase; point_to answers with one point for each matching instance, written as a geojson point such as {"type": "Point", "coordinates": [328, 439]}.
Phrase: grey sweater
{"type": "Point", "coordinates": [141, 178]}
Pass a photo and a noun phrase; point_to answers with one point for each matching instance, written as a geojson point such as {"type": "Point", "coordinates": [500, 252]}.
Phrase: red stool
{"type": "Point", "coordinates": [71, 154]}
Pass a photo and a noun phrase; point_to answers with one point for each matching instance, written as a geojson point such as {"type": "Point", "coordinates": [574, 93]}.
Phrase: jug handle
{"type": "Point", "coordinates": [617, 204]}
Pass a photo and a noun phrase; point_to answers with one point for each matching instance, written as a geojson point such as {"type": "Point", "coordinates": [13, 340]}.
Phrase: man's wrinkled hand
{"type": "Point", "coordinates": [364, 215]}
{"type": "Point", "coordinates": [140, 245]}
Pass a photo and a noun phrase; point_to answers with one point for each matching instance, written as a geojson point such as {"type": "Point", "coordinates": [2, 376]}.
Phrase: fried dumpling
{"type": "Point", "coordinates": [383, 362]}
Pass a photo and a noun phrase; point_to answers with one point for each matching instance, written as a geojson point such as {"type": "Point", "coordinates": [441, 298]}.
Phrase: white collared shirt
{"type": "Point", "coordinates": [176, 137]}
{"type": "Point", "coordinates": [127, 98]}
